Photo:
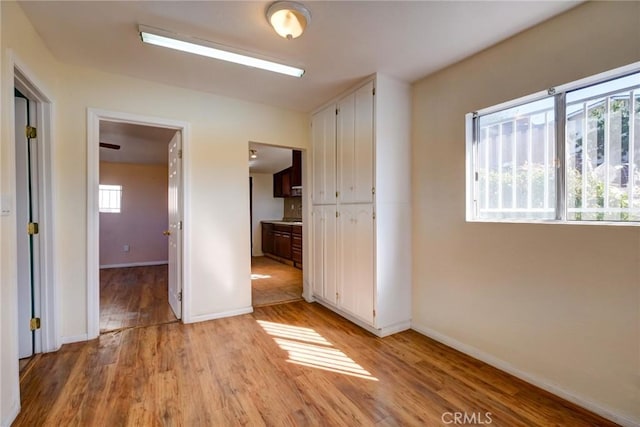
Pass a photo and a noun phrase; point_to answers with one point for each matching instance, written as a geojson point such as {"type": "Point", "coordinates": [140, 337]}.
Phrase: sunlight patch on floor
{"type": "Point", "coordinates": [255, 276]}
{"type": "Point", "coordinates": [308, 348]}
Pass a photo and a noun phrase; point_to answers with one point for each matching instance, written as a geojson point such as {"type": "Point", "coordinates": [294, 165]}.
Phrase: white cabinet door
{"type": "Point", "coordinates": [323, 147]}
{"type": "Point", "coordinates": [355, 146]}
{"type": "Point", "coordinates": [355, 260]}
{"type": "Point", "coordinates": [323, 273]}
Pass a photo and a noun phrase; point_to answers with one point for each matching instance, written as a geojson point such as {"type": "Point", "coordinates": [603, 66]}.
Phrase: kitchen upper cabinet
{"type": "Point", "coordinates": [323, 143]}
{"type": "Point", "coordinates": [323, 252]}
{"type": "Point", "coordinates": [296, 168]}
{"type": "Point", "coordinates": [282, 183]}
{"type": "Point", "coordinates": [355, 146]}
{"type": "Point", "coordinates": [355, 260]}
{"type": "Point", "coordinates": [284, 180]}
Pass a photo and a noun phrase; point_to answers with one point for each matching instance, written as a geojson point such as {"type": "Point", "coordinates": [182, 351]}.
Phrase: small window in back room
{"type": "Point", "coordinates": [110, 197]}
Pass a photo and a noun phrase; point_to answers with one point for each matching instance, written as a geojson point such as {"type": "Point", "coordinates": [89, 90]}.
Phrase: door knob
{"type": "Point", "coordinates": [166, 232]}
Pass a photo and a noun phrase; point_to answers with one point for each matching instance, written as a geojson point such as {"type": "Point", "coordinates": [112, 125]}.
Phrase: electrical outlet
{"type": "Point", "coordinates": [125, 248]}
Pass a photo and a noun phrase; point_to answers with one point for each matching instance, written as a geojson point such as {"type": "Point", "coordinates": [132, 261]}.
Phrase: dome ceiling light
{"type": "Point", "coordinates": [288, 18]}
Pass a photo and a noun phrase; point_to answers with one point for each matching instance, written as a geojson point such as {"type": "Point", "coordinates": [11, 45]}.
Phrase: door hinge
{"type": "Point", "coordinates": [32, 228]}
{"type": "Point", "coordinates": [374, 313]}
{"type": "Point", "coordinates": [180, 296]}
{"type": "Point", "coordinates": [337, 296]}
{"type": "Point", "coordinates": [179, 225]}
{"type": "Point", "coordinates": [34, 323]}
{"type": "Point", "coordinates": [374, 91]}
{"type": "Point", "coordinates": [373, 190]}
{"type": "Point", "coordinates": [337, 194]}
{"type": "Point", "coordinates": [179, 154]}
{"type": "Point", "coordinates": [31, 132]}
{"type": "Point", "coordinates": [337, 110]}
{"type": "Point", "coordinates": [374, 215]}
{"type": "Point", "coordinates": [476, 176]}
{"type": "Point", "coordinates": [337, 214]}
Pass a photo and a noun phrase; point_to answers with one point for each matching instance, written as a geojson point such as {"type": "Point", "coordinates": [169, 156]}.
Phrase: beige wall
{"type": "Point", "coordinates": [143, 216]}
{"type": "Point", "coordinates": [557, 303]}
{"type": "Point", "coordinates": [215, 159]}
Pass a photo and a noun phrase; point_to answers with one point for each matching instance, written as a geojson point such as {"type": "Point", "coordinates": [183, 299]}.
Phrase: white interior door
{"type": "Point", "coordinates": [27, 209]}
{"type": "Point", "coordinates": [175, 225]}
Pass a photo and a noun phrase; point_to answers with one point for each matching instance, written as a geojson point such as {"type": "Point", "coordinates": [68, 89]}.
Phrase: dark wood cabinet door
{"type": "Point", "coordinates": [296, 169]}
{"type": "Point", "coordinates": [267, 238]}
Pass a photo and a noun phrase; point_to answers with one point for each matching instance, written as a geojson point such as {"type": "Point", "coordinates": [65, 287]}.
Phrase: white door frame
{"type": "Point", "coordinates": [94, 116]}
{"type": "Point", "coordinates": [48, 338]}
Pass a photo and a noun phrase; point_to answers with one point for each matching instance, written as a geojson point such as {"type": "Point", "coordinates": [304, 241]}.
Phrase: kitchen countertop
{"type": "Point", "coordinates": [281, 222]}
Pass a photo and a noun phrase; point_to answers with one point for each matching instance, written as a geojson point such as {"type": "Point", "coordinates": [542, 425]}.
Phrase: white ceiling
{"type": "Point", "coordinates": [345, 42]}
{"type": "Point", "coordinates": [270, 159]}
{"type": "Point", "coordinates": [138, 144]}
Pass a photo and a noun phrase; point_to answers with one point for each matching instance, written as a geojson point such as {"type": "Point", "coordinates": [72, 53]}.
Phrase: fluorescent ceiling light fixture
{"type": "Point", "coordinates": [159, 38]}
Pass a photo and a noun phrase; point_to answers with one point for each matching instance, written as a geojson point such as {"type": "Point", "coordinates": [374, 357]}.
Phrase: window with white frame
{"type": "Point", "coordinates": [569, 154]}
{"type": "Point", "coordinates": [110, 198]}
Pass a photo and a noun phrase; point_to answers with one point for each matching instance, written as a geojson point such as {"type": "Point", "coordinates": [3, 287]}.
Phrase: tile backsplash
{"type": "Point", "coordinates": [292, 208]}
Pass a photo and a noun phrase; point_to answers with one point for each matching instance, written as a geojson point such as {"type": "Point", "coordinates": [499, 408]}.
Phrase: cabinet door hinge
{"type": "Point", "coordinates": [179, 154]}
{"type": "Point", "coordinates": [180, 296]}
{"type": "Point", "coordinates": [32, 228]}
{"type": "Point", "coordinates": [31, 132]}
{"type": "Point", "coordinates": [34, 323]}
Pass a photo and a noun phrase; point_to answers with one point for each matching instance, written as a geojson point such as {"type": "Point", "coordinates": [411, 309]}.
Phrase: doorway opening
{"type": "Point", "coordinates": [275, 188]}
{"type": "Point", "coordinates": [133, 201]}
{"type": "Point", "coordinates": [37, 331]}
{"type": "Point", "coordinates": [135, 221]}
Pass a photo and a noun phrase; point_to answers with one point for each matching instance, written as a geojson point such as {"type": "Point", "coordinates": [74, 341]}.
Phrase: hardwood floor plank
{"type": "Point", "coordinates": [294, 364]}
{"type": "Point", "coordinates": [273, 282]}
{"type": "Point", "coordinates": [134, 297]}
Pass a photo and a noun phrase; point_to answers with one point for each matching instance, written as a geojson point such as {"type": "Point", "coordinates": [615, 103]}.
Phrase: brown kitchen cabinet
{"type": "Point", "coordinates": [267, 238]}
{"type": "Point", "coordinates": [289, 177]}
{"type": "Point", "coordinates": [296, 244]}
{"type": "Point", "coordinates": [284, 241]}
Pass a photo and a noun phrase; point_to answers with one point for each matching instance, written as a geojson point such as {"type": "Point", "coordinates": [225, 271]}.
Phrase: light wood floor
{"type": "Point", "coordinates": [288, 364]}
{"type": "Point", "coordinates": [134, 297]}
{"type": "Point", "coordinates": [273, 282]}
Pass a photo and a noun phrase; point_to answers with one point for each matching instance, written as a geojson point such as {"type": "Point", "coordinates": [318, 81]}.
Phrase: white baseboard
{"type": "Point", "coordinates": [134, 264]}
{"type": "Point", "coordinates": [380, 332]}
{"type": "Point", "coordinates": [220, 315]}
{"type": "Point", "coordinates": [13, 414]}
{"type": "Point", "coordinates": [543, 383]}
{"type": "Point", "coordinates": [74, 338]}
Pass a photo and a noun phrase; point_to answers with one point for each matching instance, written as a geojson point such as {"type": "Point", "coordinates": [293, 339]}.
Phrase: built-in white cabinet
{"type": "Point", "coordinates": [355, 261]}
{"type": "Point", "coordinates": [323, 156]}
{"type": "Point", "coordinates": [361, 208]}
{"type": "Point", "coordinates": [355, 146]}
{"type": "Point", "coordinates": [324, 254]}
